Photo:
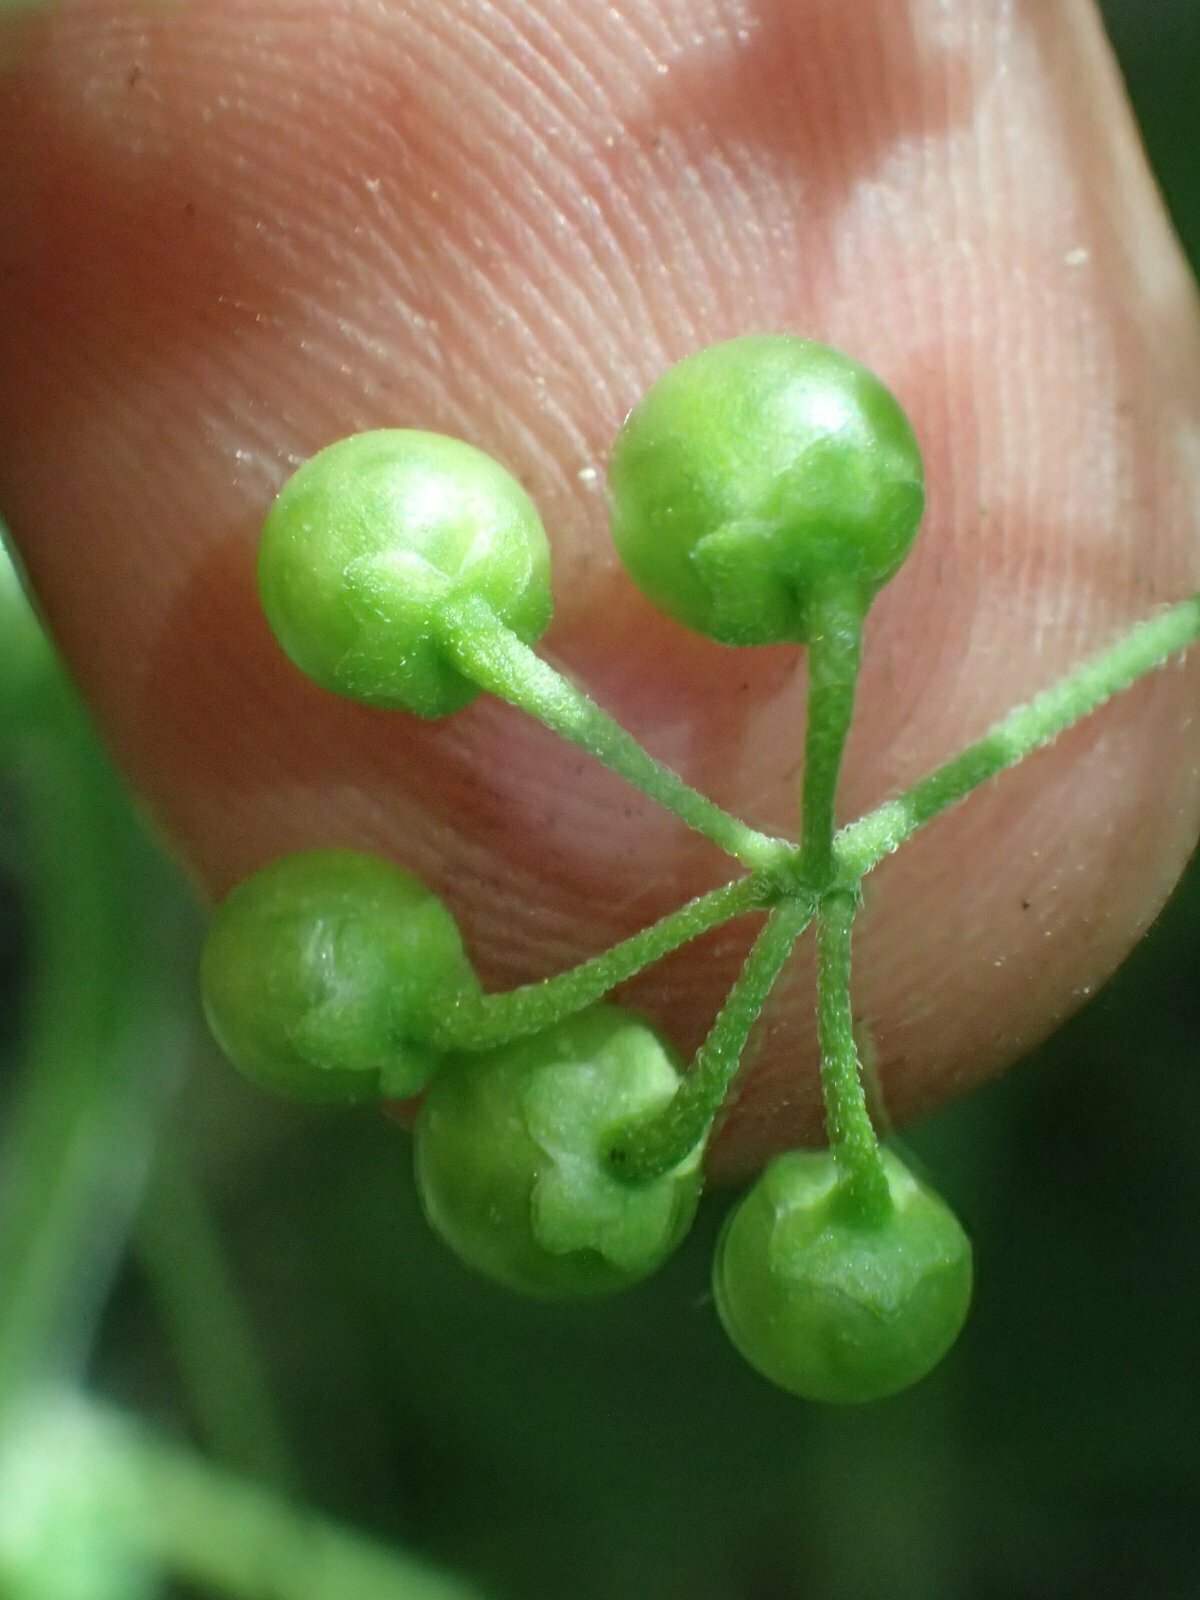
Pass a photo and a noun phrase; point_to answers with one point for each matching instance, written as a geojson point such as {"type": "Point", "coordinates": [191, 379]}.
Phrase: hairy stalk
{"type": "Point", "coordinates": [491, 1020]}
{"type": "Point", "coordinates": [863, 1184]}
{"type": "Point", "coordinates": [834, 657]}
{"type": "Point", "coordinates": [1143, 649]}
{"type": "Point", "coordinates": [491, 655]}
{"type": "Point", "coordinates": [656, 1147]}
{"type": "Point", "coordinates": [205, 1321]}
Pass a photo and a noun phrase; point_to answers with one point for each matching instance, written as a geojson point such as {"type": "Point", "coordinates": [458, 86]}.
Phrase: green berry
{"type": "Point", "coordinates": [831, 1308]}
{"type": "Point", "coordinates": [369, 544]}
{"type": "Point", "coordinates": [512, 1160]}
{"type": "Point", "coordinates": [755, 476]}
{"type": "Point", "coordinates": [322, 972]}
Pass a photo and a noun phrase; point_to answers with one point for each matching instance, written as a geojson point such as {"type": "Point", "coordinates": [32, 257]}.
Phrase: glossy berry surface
{"type": "Point", "coordinates": [512, 1158]}
{"type": "Point", "coordinates": [371, 540]}
{"type": "Point", "coordinates": [753, 476]}
{"type": "Point", "coordinates": [832, 1309]}
{"type": "Point", "coordinates": [320, 974]}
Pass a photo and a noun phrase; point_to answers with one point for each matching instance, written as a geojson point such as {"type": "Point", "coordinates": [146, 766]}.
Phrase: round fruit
{"type": "Point", "coordinates": [322, 972]}
{"type": "Point", "coordinates": [755, 476]}
{"type": "Point", "coordinates": [373, 540]}
{"type": "Point", "coordinates": [512, 1158]}
{"type": "Point", "coordinates": [832, 1309]}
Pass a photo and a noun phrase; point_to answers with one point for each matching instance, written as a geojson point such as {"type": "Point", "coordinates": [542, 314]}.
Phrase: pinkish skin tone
{"type": "Point", "coordinates": [238, 229]}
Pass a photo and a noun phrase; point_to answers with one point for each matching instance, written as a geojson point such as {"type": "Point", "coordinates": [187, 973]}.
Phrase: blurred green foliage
{"type": "Point", "coordinates": [626, 1451]}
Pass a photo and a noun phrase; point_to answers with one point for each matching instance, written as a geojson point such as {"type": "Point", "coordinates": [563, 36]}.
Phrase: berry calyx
{"type": "Point", "coordinates": [323, 972]}
{"type": "Point", "coordinates": [372, 541]}
{"type": "Point", "coordinates": [512, 1158]}
{"type": "Point", "coordinates": [831, 1308]}
{"type": "Point", "coordinates": [755, 477]}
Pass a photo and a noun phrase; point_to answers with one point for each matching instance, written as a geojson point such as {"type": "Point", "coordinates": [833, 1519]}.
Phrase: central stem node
{"type": "Point", "coordinates": [784, 880]}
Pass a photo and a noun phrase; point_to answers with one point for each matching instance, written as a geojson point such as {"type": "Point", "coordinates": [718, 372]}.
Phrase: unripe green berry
{"type": "Point", "coordinates": [755, 476]}
{"type": "Point", "coordinates": [370, 542]}
{"type": "Point", "coordinates": [322, 973]}
{"type": "Point", "coordinates": [512, 1160]}
{"type": "Point", "coordinates": [832, 1308]}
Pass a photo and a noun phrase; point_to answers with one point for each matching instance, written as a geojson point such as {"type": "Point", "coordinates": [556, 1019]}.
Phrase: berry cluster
{"type": "Point", "coordinates": [762, 492]}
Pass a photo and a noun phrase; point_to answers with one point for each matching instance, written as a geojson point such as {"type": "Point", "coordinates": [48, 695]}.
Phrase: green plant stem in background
{"type": "Point", "coordinates": [658, 1146]}
{"type": "Point", "coordinates": [100, 1041]}
{"type": "Point", "coordinates": [492, 656]}
{"type": "Point", "coordinates": [834, 657]}
{"type": "Point", "coordinates": [862, 1180]}
{"type": "Point", "coordinates": [495, 1019]}
{"type": "Point", "coordinates": [1148, 646]}
{"type": "Point", "coordinates": [206, 1324]}
{"type": "Point", "coordinates": [168, 1510]}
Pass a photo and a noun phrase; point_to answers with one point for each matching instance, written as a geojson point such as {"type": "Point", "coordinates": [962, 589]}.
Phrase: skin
{"type": "Point", "coordinates": [235, 230]}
